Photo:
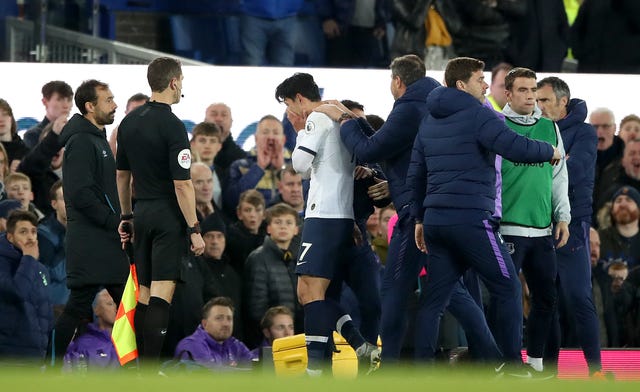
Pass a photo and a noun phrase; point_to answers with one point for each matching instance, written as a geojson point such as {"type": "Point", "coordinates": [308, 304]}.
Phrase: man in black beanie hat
{"type": "Point", "coordinates": [621, 241]}
{"type": "Point", "coordinates": [225, 278]}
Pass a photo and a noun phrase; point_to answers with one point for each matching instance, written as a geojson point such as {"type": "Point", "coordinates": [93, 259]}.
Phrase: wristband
{"type": "Point", "coordinates": [126, 216]}
{"type": "Point", "coordinates": [344, 116]}
{"type": "Point", "coordinates": [195, 229]}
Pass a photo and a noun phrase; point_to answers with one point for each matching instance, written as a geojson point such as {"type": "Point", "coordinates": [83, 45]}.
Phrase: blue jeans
{"type": "Point", "coordinates": [267, 41]}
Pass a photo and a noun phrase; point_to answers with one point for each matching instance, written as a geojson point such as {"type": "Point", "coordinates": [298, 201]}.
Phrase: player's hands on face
{"type": "Point", "coordinates": [197, 244]}
{"type": "Point", "coordinates": [561, 234]}
{"type": "Point", "coordinates": [419, 235]}
{"type": "Point", "coordinates": [380, 190]}
{"type": "Point", "coordinates": [362, 172]}
{"type": "Point", "coordinates": [296, 120]}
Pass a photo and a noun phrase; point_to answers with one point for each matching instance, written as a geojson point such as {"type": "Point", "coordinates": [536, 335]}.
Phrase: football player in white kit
{"type": "Point", "coordinates": [328, 228]}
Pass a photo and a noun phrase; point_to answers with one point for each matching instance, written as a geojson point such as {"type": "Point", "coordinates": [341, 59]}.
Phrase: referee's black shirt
{"type": "Point", "coordinates": [153, 145]}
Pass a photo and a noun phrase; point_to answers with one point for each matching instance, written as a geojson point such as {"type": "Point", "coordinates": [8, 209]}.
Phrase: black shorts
{"type": "Point", "coordinates": [326, 246]}
{"type": "Point", "coordinates": [161, 243]}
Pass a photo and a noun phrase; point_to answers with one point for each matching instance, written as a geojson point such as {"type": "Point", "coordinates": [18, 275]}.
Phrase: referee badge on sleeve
{"type": "Point", "coordinates": [184, 158]}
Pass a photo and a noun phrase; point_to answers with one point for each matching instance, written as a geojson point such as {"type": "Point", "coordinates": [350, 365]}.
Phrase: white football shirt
{"type": "Point", "coordinates": [320, 151]}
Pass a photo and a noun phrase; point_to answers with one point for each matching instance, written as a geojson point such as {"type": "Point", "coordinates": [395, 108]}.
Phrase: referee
{"type": "Point", "coordinates": [154, 149]}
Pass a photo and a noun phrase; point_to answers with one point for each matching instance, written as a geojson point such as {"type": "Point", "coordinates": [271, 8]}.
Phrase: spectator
{"type": "Point", "coordinates": [4, 168]}
{"type": "Point", "coordinates": [206, 142]}
{"type": "Point", "coordinates": [18, 187]}
{"type": "Point", "coordinates": [94, 348]}
{"type": "Point", "coordinates": [56, 98]}
{"type": "Point", "coordinates": [52, 231]}
{"type": "Point", "coordinates": [259, 170]}
{"type": "Point", "coordinates": [270, 278]}
{"type": "Point", "coordinates": [290, 189]}
{"type": "Point", "coordinates": [266, 32]}
{"type": "Point", "coordinates": [497, 95]}
{"type": "Point", "coordinates": [43, 164]}
{"type": "Point", "coordinates": [212, 345]}
{"type": "Point", "coordinates": [617, 174]}
{"type": "Point", "coordinates": [604, 33]}
{"type": "Point", "coordinates": [539, 34]}
{"type": "Point", "coordinates": [248, 233]}
{"type": "Point", "coordinates": [621, 241]}
{"type": "Point", "coordinates": [355, 32]}
{"type": "Point", "coordinates": [15, 147]}
{"type": "Point", "coordinates": [629, 128]}
{"type": "Point", "coordinates": [202, 179]}
{"type": "Point", "coordinates": [276, 323]}
{"type": "Point", "coordinates": [6, 206]}
{"type": "Point", "coordinates": [133, 102]}
{"type": "Point", "coordinates": [610, 146]}
{"type": "Point", "coordinates": [24, 303]}
{"type": "Point", "coordinates": [380, 242]}
{"type": "Point", "coordinates": [220, 114]}
{"type": "Point", "coordinates": [222, 275]}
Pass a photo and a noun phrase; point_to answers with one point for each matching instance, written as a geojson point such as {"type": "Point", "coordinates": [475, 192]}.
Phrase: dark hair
{"type": "Point", "coordinates": [16, 216]}
{"type": "Point", "coordinates": [408, 68]}
{"type": "Point", "coordinates": [500, 67]}
{"type": "Point", "coordinates": [280, 209]}
{"type": "Point", "coordinates": [300, 83]}
{"type": "Point", "coordinates": [271, 313]}
{"type": "Point", "coordinates": [88, 92]}
{"type": "Point", "coordinates": [57, 86]}
{"type": "Point", "coordinates": [559, 86]}
{"type": "Point", "coordinates": [288, 168]}
{"type": "Point", "coordinates": [5, 107]}
{"type": "Point", "coordinates": [252, 197]}
{"type": "Point", "coordinates": [518, 72]}
{"type": "Point", "coordinates": [206, 129]}
{"type": "Point", "coordinates": [160, 72]}
{"type": "Point", "coordinates": [375, 121]}
{"type": "Point", "coordinates": [54, 188]}
{"type": "Point", "coordinates": [216, 301]}
{"type": "Point", "coordinates": [349, 104]}
{"type": "Point", "coordinates": [461, 69]}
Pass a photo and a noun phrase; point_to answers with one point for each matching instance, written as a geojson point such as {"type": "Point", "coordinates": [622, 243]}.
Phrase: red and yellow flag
{"type": "Point", "coordinates": [123, 334]}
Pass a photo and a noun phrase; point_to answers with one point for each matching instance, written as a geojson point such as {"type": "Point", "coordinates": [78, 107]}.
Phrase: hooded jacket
{"type": "Point", "coordinates": [452, 167]}
{"type": "Point", "coordinates": [26, 311]}
{"type": "Point", "coordinates": [94, 255]}
{"type": "Point", "coordinates": [212, 354]}
{"type": "Point", "coordinates": [392, 143]}
{"type": "Point", "coordinates": [581, 145]}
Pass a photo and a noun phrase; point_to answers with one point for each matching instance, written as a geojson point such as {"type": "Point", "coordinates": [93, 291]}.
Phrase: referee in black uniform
{"type": "Point", "coordinates": [154, 149]}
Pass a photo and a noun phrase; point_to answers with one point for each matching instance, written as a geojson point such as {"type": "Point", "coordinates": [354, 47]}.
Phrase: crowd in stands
{"type": "Point", "coordinates": [368, 33]}
{"type": "Point", "coordinates": [241, 293]}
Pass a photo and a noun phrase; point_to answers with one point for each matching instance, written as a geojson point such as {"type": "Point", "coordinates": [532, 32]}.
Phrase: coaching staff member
{"type": "Point", "coordinates": [94, 256]}
{"type": "Point", "coordinates": [154, 149]}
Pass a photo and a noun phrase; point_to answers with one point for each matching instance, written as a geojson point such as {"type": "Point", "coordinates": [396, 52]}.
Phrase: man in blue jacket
{"type": "Point", "coordinates": [392, 144]}
{"type": "Point", "coordinates": [574, 272]}
{"type": "Point", "coordinates": [452, 174]}
{"type": "Point", "coordinates": [24, 296]}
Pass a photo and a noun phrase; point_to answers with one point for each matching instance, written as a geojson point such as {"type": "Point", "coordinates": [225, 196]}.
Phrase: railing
{"type": "Point", "coordinates": [66, 46]}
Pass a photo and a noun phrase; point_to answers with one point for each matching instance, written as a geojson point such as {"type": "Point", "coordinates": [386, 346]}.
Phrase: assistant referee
{"type": "Point", "coordinates": [154, 149]}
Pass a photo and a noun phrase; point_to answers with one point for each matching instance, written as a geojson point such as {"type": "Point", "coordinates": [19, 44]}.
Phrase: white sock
{"type": "Point", "coordinates": [536, 363]}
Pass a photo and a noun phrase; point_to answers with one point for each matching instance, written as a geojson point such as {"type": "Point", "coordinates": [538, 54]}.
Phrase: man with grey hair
{"type": "Point", "coordinates": [574, 274]}
{"type": "Point", "coordinates": [610, 146]}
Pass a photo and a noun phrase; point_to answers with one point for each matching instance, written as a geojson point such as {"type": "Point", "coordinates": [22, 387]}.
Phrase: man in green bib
{"type": "Point", "coordinates": [534, 201]}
